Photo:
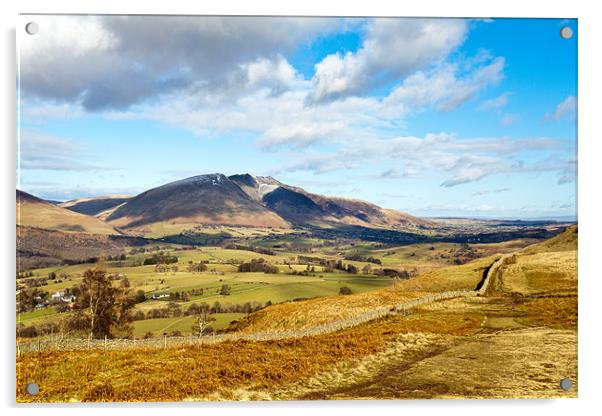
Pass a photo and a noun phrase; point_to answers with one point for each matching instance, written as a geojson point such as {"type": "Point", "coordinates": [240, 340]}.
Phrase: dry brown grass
{"type": "Point", "coordinates": [553, 312]}
{"type": "Point", "coordinates": [521, 363]}
{"type": "Point", "coordinates": [194, 373]}
{"type": "Point", "coordinates": [463, 277]}
{"type": "Point", "coordinates": [45, 215]}
{"type": "Point", "coordinates": [315, 312]}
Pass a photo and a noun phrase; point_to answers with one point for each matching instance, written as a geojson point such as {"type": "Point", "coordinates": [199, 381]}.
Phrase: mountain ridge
{"type": "Point", "coordinates": [250, 201]}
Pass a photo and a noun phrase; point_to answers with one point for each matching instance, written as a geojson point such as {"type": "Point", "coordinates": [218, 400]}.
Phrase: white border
{"type": "Point", "coordinates": [590, 71]}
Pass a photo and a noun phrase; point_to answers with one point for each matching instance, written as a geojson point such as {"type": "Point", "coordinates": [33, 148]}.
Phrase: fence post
{"type": "Point", "coordinates": [164, 341]}
{"type": "Point", "coordinates": [105, 342]}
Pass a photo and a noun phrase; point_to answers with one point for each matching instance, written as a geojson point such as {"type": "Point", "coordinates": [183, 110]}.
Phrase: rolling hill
{"type": "Point", "coordinates": [35, 212]}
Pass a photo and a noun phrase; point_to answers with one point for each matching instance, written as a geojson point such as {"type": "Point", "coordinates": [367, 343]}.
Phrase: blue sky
{"type": "Point", "coordinates": [436, 117]}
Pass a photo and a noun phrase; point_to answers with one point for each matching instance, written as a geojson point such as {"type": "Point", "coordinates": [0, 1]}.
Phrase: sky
{"type": "Point", "coordinates": [435, 117]}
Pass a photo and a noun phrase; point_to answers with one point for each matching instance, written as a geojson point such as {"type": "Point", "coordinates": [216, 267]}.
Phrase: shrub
{"type": "Point", "coordinates": [344, 291]}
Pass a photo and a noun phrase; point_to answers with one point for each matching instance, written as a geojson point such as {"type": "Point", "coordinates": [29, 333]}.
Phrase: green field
{"type": "Point", "coordinates": [183, 324]}
{"type": "Point", "coordinates": [222, 269]}
{"type": "Point", "coordinates": [257, 288]}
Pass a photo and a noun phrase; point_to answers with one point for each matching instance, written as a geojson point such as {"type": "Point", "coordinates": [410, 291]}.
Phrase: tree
{"type": "Point", "coordinates": [351, 269]}
{"type": "Point", "coordinates": [203, 317]}
{"type": "Point", "coordinates": [257, 265]}
{"type": "Point", "coordinates": [197, 267]}
{"type": "Point", "coordinates": [225, 290]}
{"type": "Point", "coordinates": [108, 307]}
{"type": "Point", "coordinates": [140, 296]}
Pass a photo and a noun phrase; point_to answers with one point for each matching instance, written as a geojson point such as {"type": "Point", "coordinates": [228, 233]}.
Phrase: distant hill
{"type": "Point", "coordinates": [95, 206]}
{"type": "Point", "coordinates": [37, 247]}
{"type": "Point", "coordinates": [245, 200]}
{"type": "Point", "coordinates": [35, 212]}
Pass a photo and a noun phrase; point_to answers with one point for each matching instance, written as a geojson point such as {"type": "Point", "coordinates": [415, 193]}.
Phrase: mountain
{"type": "Point", "coordinates": [35, 212]}
{"type": "Point", "coordinates": [245, 200]}
{"type": "Point", "coordinates": [211, 199]}
{"type": "Point", "coordinates": [300, 207]}
{"type": "Point", "coordinates": [95, 206]}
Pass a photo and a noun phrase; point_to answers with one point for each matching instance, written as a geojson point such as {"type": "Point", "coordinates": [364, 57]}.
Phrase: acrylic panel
{"type": "Point", "coordinates": [295, 208]}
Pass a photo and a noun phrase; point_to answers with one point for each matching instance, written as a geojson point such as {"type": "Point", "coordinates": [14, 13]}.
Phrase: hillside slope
{"type": "Point", "coordinates": [35, 212]}
{"type": "Point", "coordinates": [42, 248]}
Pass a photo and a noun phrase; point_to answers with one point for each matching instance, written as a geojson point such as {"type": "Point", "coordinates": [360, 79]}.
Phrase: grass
{"type": "Point", "coordinates": [36, 315]}
{"type": "Point", "coordinates": [182, 324]}
{"type": "Point", "coordinates": [463, 277]}
{"type": "Point", "coordinates": [195, 372]}
{"type": "Point", "coordinates": [550, 266]}
{"type": "Point", "coordinates": [559, 313]}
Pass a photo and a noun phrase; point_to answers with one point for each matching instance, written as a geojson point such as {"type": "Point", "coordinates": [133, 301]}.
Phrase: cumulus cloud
{"type": "Point", "coordinates": [391, 50]}
{"type": "Point", "coordinates": [566, 109]}
{"type": "Point", "coordinates": [117, 61]}
{"type": "Point", "coordinates": [445, 87]}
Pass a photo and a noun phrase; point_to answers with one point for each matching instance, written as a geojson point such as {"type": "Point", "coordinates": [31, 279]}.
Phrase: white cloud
{"type": "Point", "coordinates": [496, 103]}
{"type": "Point", "coordinates": [109, 62]}
{"type": "Point", "coordinates": [566, 109]}
{"type": "Point", "coordinates": [299, 135]}
{"type": "Point", "coordinates": [392, 49]}
{"type": "Point", "coordinates": [461, 160]}
{"type": "Point", "coordinates": [444, 87]}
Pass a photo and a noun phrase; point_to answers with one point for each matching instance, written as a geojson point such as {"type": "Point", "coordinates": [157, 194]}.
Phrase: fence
{"type": "Point", "coordinates": [404, 308]}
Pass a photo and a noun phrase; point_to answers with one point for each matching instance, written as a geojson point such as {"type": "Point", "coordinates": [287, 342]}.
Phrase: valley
{"type": "Point", "coordinates": [242, 287]}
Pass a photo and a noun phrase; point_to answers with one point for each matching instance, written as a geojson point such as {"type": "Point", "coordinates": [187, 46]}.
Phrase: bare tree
{"type": "Point", "coordinates": [203, 317]}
